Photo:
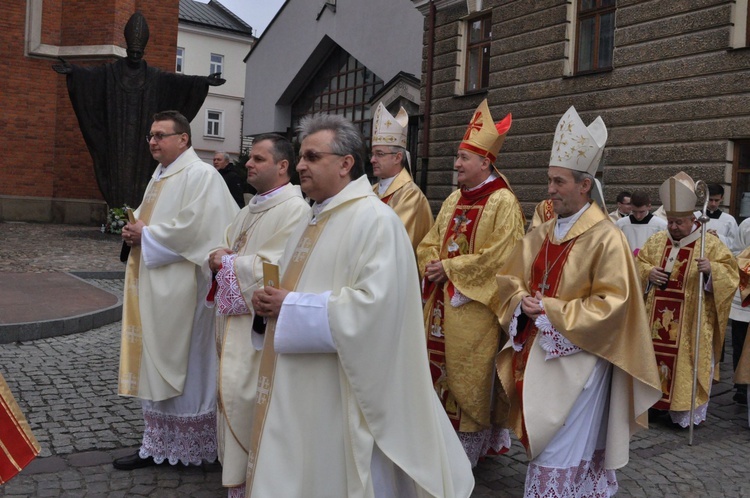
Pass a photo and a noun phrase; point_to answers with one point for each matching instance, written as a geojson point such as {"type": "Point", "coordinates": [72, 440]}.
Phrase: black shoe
{"type": "Point", "coordinates": [740, 398]}
{"type": "Point", "coordinates": [132, 462]}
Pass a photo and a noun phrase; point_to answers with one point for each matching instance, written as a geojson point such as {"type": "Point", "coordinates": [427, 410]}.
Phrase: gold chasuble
{"type": "Point", "coordinates": [473, 235]}
{"type": "Point", "coordinates": [544, 211]}
{"type": "Point", "coordinates": [186, 207]}
{"type": "Point", "coordinates": [672, 312]}
{"type": "Point", "coordinates": [410, 205]}
{"type": "Point", "coordinates": [742, 374]}
{"type": "Point", "coordinates": [18, 446]}
{"type": "Point", "coordinates": [322, 418]}
{"type": "Point", "coordinates": [592, 297]}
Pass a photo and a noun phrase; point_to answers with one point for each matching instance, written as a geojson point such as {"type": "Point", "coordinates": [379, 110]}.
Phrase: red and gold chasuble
{"type": "Point", "coordinates": [458, 240]}
{"type": "Point", "coordinates": [18, 446]}
{"type": "Point", "coordinates": [545, 278]}
{"type": "Point", "coordinates": [667, 316]}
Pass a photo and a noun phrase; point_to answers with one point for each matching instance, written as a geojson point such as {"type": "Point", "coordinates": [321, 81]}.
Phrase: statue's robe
{"type": "Point", "coordinates": [115, 104]}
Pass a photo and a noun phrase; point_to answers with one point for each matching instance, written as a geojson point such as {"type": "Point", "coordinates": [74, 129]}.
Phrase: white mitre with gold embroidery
{"type": "Point", "coordinates": [577, 146]}
{"type": "Point", "coordinates": [387, 130]}
{"type": "Point", "coordinates": [677, 194]}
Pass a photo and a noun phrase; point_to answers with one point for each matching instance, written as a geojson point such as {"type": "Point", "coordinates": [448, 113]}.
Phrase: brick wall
{"type": "Point", "coordinates": [44, 154]}
{"type": "Point", "coordinates": [676, 97]}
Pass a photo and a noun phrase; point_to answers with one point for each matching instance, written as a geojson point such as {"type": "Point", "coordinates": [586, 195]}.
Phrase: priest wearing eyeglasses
{"type": "Point", "coordinates": [168, 355]}
{"type": "Point", "coordinates": [578, 368]}
{"type": "Point", "coordinates": [390, 164]}
{"type": "Point", "coordinates": [345, 406]}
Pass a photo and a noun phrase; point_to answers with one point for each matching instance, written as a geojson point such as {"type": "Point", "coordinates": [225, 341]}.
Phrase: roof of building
{"type": "Point", "coordinates": [213, 15]}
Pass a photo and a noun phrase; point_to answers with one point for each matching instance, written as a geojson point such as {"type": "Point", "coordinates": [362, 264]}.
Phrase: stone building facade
{"type": "Point", "coordinates": [669, 78]}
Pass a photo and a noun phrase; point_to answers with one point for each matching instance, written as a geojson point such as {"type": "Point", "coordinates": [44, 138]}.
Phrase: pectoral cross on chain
{"type": "Point", "coordinates": [544, 286]}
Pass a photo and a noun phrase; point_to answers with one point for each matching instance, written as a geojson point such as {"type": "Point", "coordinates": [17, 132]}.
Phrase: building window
{"type": "Point", "coordinates": [479, 37]}
{"type": "Point", "coordinates": [214, 124]}
{"type": "Point", "coordinates": [180, 63]}
{"type": "Point", "coordinates": [341, 86]}
{"type": "Point", "coordinates": [596, 35]}
{"type": "Point", "coordinates": [217, 64]}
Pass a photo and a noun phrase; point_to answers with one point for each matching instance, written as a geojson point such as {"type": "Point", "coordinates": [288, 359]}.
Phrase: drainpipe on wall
{"type": "Point", "coordinates": [427, 97]}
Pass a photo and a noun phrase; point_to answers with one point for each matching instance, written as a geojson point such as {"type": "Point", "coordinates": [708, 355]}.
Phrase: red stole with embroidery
{"type": "Point", "coordinates": [458, 240]}
{"type": "Point", "coordinates": [554, 256]}
{"type": "Point", "coordinates": [667, 315]}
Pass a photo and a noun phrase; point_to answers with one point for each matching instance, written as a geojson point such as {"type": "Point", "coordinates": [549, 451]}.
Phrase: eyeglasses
{"type": "Point", "coordinates": [380, 154]}
{"type": "Point", "coordinates": [313, 157]}
{"type": "Point", "coordinates": [158, 137]}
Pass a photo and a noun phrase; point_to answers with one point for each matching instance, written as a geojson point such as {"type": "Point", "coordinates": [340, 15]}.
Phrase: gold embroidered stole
{"type": "Point", "coordinates": [131, 342]}
{"type": "Point", "coordinates": [222, 322]}
{"type": "Point", "coordinates": [18, 446]}
{"type": "Point", "coordinates": [268, 358]}
{"type": "Point", "coordinates": [668, 313]}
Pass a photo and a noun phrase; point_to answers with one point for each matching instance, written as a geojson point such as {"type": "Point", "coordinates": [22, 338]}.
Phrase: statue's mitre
{"type": "Point", "coordinates": [677, 194]}
{"type": "Point", "coordinates": [136, 31]}
{"type": "Point", "coordinates": [483, 136]}
{"type": "Point", "coordinates": [387, 130]}
{"type": "Point", "coordinates": [577, 146]}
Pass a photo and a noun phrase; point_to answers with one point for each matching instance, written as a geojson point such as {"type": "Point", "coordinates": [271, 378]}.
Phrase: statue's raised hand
{"type": "Point", "coordinates": [64, 68]}
{"type": "Point", "coordinates": [215, 79]}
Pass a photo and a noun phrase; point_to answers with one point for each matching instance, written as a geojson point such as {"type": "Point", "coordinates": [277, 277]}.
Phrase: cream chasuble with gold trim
{"type": "Point", "coordinates": [261, 230]}
{"type": "Point", "coordinates": [320, 417]}
{"type": "Point", "coordinates": [187, 210]}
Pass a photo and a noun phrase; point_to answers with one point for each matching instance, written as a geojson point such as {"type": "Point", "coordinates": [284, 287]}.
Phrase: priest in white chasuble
{"type": "Point", "coordinates": [258, 234]}
{"type": "Point", "coordinates": [578, 369]}
{"type": "Point", "coordinates": [669, 265]}
{"type": "Point", "coordinates": [475, 231]}
{"type": "Point", "coordinates": [167, 356]}
{"type": "Point", "coordinates": [390, 164]}
{"type": "Point", "coordinates": [345, 406]}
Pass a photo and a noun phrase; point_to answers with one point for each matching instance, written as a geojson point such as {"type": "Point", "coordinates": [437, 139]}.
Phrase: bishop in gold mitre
{"type": "Point", "coordinates": [669, 265]}
{"type": "Point", "coordinates": [578, 369]}
{"type": "Point", "coordinates": [474, 233]}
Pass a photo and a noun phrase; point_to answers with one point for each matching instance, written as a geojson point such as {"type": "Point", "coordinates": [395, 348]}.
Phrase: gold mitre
{"type": "Point", "coordinates": [577, 146]}
{"type": "Point", "coordinates": [483, 136]}
{"type": "Point", "coordinates": [678, 195]}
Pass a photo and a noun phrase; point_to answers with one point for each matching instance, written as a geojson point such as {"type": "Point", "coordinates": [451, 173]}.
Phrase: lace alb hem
{"type": "Point", "coordinates": [683, 418]}
{"type": "Point", "coordinates": [458, 299]}
{"type": "Point", "coordinates": [553, 342]}
{"type": "Point", "coordinates": [187, 439]}
{"type": "Point", "coordinates": [589, 479]}
{"type": "Point", "coordinates": [513, 330]}
{"type": "Point", "coordinates": [492, 441]}
{"type": "Point", "coordinates": [237, 491]}
{"type": "Point", "coordinates": [229, 299]}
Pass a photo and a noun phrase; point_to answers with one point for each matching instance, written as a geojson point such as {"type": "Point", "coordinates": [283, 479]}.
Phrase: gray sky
{"type": "Point", "coordinates": [257, 13]}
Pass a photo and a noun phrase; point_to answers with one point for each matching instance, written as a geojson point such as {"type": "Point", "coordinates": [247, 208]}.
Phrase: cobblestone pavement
{"type": "Point", "coordinates": [66, 387]}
